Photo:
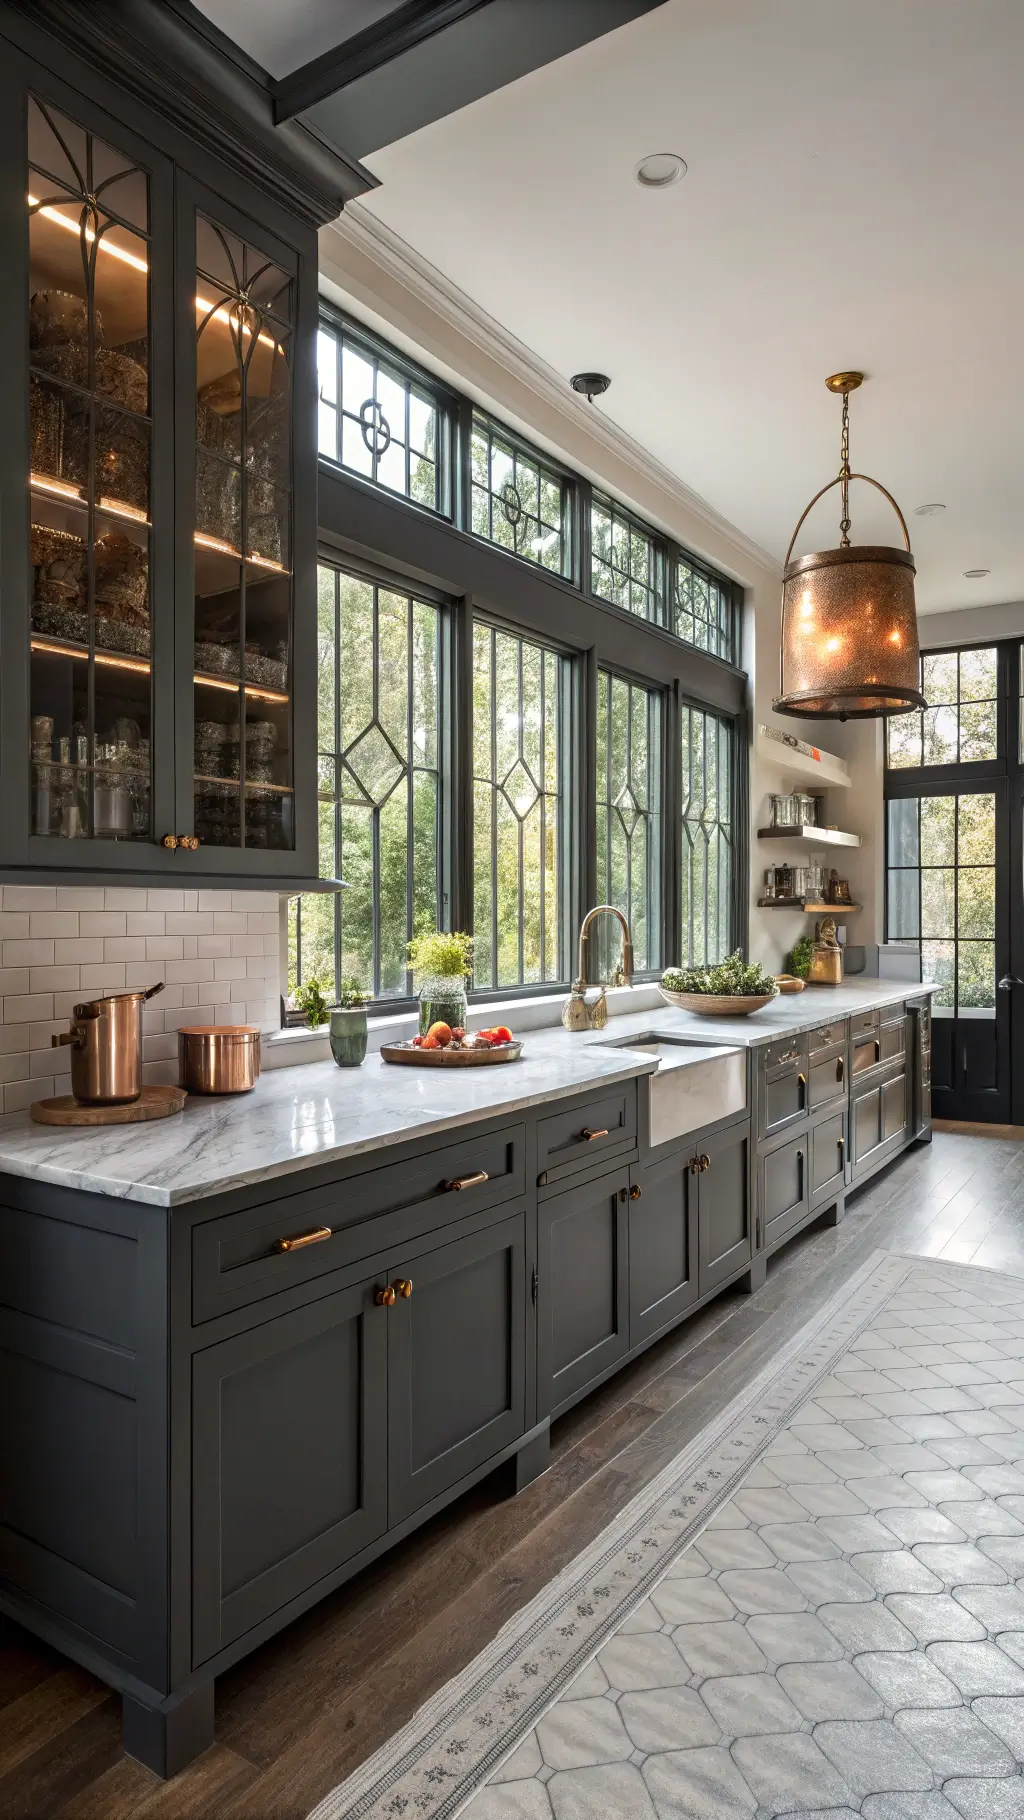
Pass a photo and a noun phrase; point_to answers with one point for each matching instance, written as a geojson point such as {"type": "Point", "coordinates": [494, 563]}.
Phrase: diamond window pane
{"type": "Point", "coordinates": [708, 856]}
{"type": "Point", "coordinates": [629, 811]}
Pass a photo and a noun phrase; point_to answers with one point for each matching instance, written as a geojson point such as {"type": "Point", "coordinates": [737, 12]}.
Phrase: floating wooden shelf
{"type": "Point", "coordinates": [839, 911]}
{"type": "Point", "coordinates": [811, 836]}
{"type": "Point", "coordinates": [813, 766]}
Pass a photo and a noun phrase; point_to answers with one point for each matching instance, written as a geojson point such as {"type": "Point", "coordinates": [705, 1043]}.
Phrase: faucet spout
{"type": "Point", "coordinates": [576, 1013]}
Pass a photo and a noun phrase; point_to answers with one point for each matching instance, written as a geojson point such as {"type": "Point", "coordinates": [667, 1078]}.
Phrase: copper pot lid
{"type": "Point", "coordinates": [229, 1031]}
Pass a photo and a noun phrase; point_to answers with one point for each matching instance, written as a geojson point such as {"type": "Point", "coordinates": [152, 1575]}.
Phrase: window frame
{"type": "Point", "coordinates": [740, 835]}
{"type": "Point", "coordinates": [406, 373]}
{"type": "Point", "coordinates": [658, 587]}
{"type": "Point", "coordinates": [659, 922]}
{"type": "Point", "coordinates": [546, 466]}
{"type": "Point", "coordinates": [953, 768]}
{"type": "Point", "coordinates": [388, 538]}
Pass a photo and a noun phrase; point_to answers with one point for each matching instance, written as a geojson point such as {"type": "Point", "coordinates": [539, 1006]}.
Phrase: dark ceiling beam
{"type": "Point", "coordinates": [446, 63]}
{"type": "Point", "coordinates": [406, 26]}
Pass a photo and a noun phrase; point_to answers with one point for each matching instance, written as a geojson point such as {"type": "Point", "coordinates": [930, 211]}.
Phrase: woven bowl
{"type": "Point", "coordinates": [714, 1004]}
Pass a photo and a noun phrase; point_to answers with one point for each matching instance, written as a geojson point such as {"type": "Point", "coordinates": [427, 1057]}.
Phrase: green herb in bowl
{"type": "Point", "coordinates": [732, 989]}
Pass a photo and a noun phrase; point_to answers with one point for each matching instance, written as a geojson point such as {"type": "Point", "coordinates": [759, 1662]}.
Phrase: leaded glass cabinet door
{"type": "Point", "coordinates": [98, 504]}
{"type": "Point", "coordinates": [242, 658]}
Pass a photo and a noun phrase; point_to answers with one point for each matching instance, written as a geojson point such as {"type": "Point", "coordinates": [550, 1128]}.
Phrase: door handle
{"type": "Point", "coordinates": [1008, 980]}
{"type": "Point", "coordinates": [705, 1162]}
{"type": "Point", "coordinates": [590, 1133]}
{"type": "Point", "coordinates": [403, 1287]}
{"type": "Point", "coordinates": [458, 1182]}
{"type": "Point", "coordinates": [840, 1069]}
{"type": "Point", "coordinates": [316, 1237]}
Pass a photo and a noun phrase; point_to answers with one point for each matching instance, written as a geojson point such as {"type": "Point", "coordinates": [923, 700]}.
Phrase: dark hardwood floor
{"type": "Point", "coordinates": [301, 1713]}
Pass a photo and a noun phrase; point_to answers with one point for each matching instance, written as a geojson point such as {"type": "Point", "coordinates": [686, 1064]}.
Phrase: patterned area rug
{"type": "Point", "coordinates": [813, 1610]}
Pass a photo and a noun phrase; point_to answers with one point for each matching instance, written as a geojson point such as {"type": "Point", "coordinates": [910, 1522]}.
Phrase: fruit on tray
{"type": "Point", "coordinates": [442, 1035]}
{"type": "Point", "coordinates": [445, 1036]}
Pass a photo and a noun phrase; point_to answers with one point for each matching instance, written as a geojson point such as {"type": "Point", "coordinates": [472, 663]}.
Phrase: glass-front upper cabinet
{"type": "Point", "coordinates": [88, 324]}
{"type": "Point", "coordinates": [243, 771]}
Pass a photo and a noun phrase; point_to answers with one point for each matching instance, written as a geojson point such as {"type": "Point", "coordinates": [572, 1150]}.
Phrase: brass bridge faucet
{"type": "Point", "coordinates": [577, 1013]}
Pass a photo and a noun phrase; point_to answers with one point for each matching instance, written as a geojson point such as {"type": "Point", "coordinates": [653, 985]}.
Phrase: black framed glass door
{"type": "Point", "coordinates": [954, 806]}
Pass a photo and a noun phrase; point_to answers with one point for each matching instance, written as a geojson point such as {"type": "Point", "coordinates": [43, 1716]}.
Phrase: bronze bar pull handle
{"type": "Point", "coordinates": [403, 1287]}
{"type": "Point", "coordinates": [385, 1298]}
{"type": "Point", "coordinates": [635, 1192]}
{"type": "Point", "coordinates": [840, 1069]}
{"type": "Point", "coordinates": [466, 1181]}
{"type": "Point", "coordinates": [590, 1135]}
{"type": "Point", "coordinates": [802, 1078]}
{"type": "Point", "coordinates": [841, 1143]}
{"type": "Point", "coordinates": [315, 1237]}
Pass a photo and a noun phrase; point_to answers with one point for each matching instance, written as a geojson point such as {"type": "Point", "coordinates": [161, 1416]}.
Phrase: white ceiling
{"type": "Point", "coordinates": [283, 34]}
{"type": "Point", "coordinates": [854, 198]}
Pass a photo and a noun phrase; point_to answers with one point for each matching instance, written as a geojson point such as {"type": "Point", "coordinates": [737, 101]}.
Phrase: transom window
{"type": "Point", "coordinates": [629, 809]}
{"type": "Point", "coordinates": [708, 848]}
{"type": "Point", "coordinates": [941, 891]}
{"type": "Point", "coordinates": [379, 708]}
{"type": "Point", "coordinates": [378, 421]}
{"type": "Point", "coordinates": [705, 610]}
{"type": "Point", "coordinates": [623, 560]}
{"type": "Point", "coordinates": [518, 500]}
{"type": "Point", "coordinates": [960, 723]}
{"type": "Point", "coordinates": [519, 725]}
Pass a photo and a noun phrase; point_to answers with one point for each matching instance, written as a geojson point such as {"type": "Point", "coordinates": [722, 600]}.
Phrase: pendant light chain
{"type": "Point", "coordinates": [844, 475]}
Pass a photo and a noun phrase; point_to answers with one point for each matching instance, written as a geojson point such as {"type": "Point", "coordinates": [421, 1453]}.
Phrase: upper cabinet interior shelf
{"type": "Point", "coordinates": [800, 759]}
{"type": "Point", "coordinates": [811, 837]}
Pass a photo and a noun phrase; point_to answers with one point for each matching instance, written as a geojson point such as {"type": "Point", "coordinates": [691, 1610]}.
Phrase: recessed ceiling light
{"type": "Point", "coordinates": [975, 574]}
{"type": "Point", "coordinates": [931, 510]}
{"type": "Point", "coordinates": [659, 169]}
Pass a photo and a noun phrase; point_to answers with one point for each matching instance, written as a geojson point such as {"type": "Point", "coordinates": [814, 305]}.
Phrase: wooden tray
{"type": "Point", "coordinates": [788, 982]}
{"type": "Point", "coordinates": [153, 1103]}
{"type": "Point", "coordinates": [450, 1058]}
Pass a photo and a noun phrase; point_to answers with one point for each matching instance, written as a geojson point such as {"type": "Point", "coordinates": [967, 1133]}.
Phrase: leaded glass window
{"type": "Point", "coordinates": [941, 894]}
{"type": "Point", "coordinates": [705, 610]}
{"type": "Point", "coordinates": [624, 560]}
{"type": "Point", "coordinates": [708, 852]}
{"type": "Point", "coordinates": [960, 723]}
{"type": "Point", "coordinates": [379, 785]}
{"type": "Point", "coordinates": [629, 809]}
{"type": "Point", "coordinates": [519, 726]}
{"type": "Point", "coordinates": [378, 420]}
{"type": "Point", "coordinates": [518, 499]}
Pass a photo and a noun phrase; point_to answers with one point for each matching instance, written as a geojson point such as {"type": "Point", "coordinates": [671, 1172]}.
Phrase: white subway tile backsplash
{"type": "Point", "coordinates": [218, 953]}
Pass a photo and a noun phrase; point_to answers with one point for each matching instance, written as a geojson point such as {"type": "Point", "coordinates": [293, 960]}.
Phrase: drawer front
{"type": "Point", "coordinates": [893, 1040]}
{"type": "Point", "coordinates": [865, 1053]}
{"type": "Point", "coordinates": [826, 1080]}
{"type": "Point", "coordinates": [827, 1035]}
{"type": "Point", "coordinates": [864, 1021]}
{"type": "Point", "coordinates": [792, 1049]}
{"type": "Point", "coordinates": [893, 1014]}
{"type": "Point", "coordinates": [238, 1259]}
{"type": "Point", "coordinates": [584, 1130]}
{"type": "Point", "coordinates": [784, 1189]}
{"type": "Point", "coordinates": [828, 1156]}
{"type": "Point", "coordinates": [783, 1100]}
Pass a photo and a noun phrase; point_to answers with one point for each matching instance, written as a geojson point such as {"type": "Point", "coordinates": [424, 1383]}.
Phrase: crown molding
{"type": "Point", "coordinates": [361, 230]}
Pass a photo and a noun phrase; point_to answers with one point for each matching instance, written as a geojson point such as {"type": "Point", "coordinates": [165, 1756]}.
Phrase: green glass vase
{"type": "Point", "coordinates": [348, 1035]}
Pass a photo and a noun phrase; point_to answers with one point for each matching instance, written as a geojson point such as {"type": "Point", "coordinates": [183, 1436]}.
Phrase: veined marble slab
{"type": "Point", "coordinates": [300, 1117]}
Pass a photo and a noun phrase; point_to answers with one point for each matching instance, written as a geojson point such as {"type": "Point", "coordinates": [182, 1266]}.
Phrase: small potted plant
{"type": "Point", "coordinates": [310, 999]}
{"type": "Point", "coordinates": [441, 964]}
{"type": "Point", "coordinates": [348, 1024]}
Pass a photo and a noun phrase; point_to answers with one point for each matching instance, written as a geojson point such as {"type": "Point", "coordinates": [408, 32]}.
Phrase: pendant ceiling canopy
{"type": "Point", "coordinates": [849, 622]}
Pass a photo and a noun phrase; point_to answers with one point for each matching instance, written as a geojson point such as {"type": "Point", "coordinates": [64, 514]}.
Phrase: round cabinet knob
{"type": "Point", "coordinates": [170, 841]}
{"type": "Point", "coordinates": [705, 1162]}
{"type": "Point", "coordinates": [385, 1298]}
{"type": "Point", "coordinates": [635, 1192]}
{"type": "Point", "coordinates": [189, 843]}
{"type": "Point", "coordinates": [403, 1287]}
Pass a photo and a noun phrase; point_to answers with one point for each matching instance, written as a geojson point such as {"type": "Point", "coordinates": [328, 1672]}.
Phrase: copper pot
{"type": "Point", "coordinates": [219, 1058]}
{"type": "Point", "coordinates": [105, 1039]}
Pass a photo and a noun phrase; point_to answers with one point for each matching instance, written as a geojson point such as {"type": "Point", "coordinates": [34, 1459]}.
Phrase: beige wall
{"type": "Point", "coordinates": [384, 285]}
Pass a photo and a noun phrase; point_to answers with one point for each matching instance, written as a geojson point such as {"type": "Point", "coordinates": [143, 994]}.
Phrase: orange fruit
{"type": "Point", "coordinates": [430, 1041]}
{"type": "Point", "coordinates": [442, 1034]}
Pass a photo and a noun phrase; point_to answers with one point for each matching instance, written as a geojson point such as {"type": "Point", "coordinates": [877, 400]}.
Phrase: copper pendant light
{"type": "Point", "coordinates": [849, 625]}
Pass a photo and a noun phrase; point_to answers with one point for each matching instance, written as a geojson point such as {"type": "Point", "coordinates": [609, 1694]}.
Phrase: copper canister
{"type": "Point", "coordinates": [219, 1058]}
{"type": "Point", "coordinates": [105, 1039]}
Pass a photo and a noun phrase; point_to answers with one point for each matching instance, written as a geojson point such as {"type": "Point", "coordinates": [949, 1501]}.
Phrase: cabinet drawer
{"type": "Point", "coordinates": [784, 1189]}
{"type": "Point", "coordinates": [828, 1156]}
{"type": "Point", "coordinates": [791, 1049]}
{"type": "Point", "coordinates": [865, 1053]}
{"type": "Point", "coordinates": [827, 1035]}
{"type": "Point", "coordinates": [783, 1099]}
{"type": "Point", "coordinates": [863, 1022]}
{"type": "Point", "coordinates": [826, 1080]}
{"type": "Point", "coordinates": [893, 1014]}
{"type": "Point", "coordinates": [238, 1259]}
{"type": "Point", "coordinates": [584, 1130]}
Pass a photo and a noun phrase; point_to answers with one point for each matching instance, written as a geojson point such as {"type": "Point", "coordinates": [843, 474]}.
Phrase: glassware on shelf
{"type": "Point", "coordinates": [89, 482]}
{"type": "Point", "coordinates": [783, 811]}
{"type": "Point", "coordinates": [769, 881]}
{"type": "Point", "coordinates": [805, 808]}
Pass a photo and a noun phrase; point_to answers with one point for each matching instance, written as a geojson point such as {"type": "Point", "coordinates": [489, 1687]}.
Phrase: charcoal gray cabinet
{"type": "Point", "coordinates": [783, 1190]}
{"type": "Point", "coordinates": [878, 1119]}
{"type": "Point", "coordinates": [289, 1459]}
{"type": "Point", "coordinates": [725, 1212]}
{"type": "Point", "coordinates": [662, 1244]}
{"type": "Point", "coordinates": [827, 1172]}
{"type": "Point", "coordinates": [456, 1369]}
{"type": "Point", "coordinates": [582, 1287]}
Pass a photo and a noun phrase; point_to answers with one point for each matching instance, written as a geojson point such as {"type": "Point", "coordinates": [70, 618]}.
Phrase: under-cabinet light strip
{"type": "Point", "coordinates": [63, 489]}
{"type": "Point", "coordinates": [140, 665]}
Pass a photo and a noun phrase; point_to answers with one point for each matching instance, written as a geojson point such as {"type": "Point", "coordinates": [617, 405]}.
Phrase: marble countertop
{"type": "Point", "coordinates": [317, 1113]}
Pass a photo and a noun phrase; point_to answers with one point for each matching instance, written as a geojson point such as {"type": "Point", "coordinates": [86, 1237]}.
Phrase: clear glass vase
{"type": "Point", "coordinates": [443, 1001]}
